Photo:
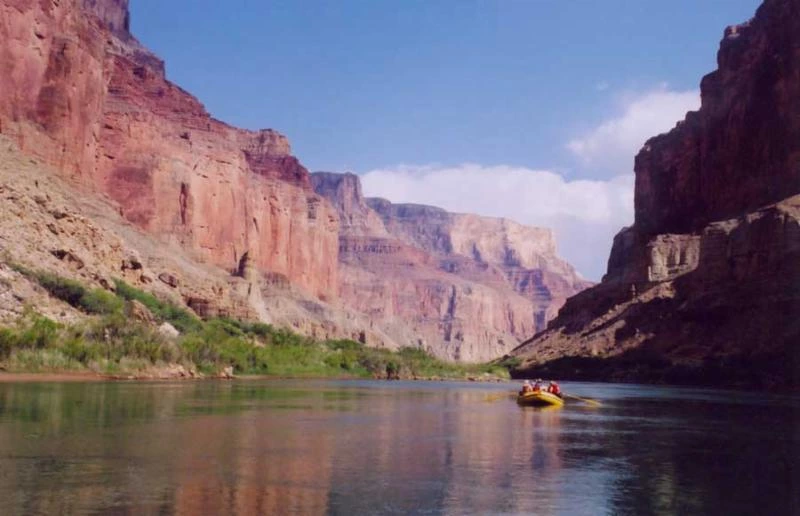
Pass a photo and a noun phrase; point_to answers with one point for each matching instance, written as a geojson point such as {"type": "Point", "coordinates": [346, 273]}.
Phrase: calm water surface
{"type": "Point", "coordinates": [347, 447]}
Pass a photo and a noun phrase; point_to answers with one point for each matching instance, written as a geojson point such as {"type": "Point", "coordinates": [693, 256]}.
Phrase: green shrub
{"type": "Point", "coordinates": [99, 301]}
{"type": "Point", "coordinates": [284, 337]}
{"type": "Point", "coordinates": [8, 341]}
{"type": "Point", "coordinates": [509, 362]}
{"type": "Point", "coordinates": [199, 350]}
{"type": "Point", "coordinates": [346, 360]}
{"type": "Point", "coordinates": [179, 317]}
{"type": "Point", "coordinates": [373, 360]}
{"type": "Point", "coordinates": [226, 326]}
{"type": "Point", "coordinates": [64, 289]}
{"type": "Point", "coordinates": [40, 360]}
{"type": "Point", "coordinates": [80, 350]}
{"type": "Point", "coordinates": [39, 334]}
{"type": "Point", "coordinates": [243, 356]}
{"type": "Point", "coordinates": [392, 369]}
{"type": "Point", "coordinates": [260, 329]}
{"type": "Point", "coordinates": [344, 344]}
{"type": "Point", "coordinates": [93, 301]}
{"type": "Point", "coordinates": [118, 337]}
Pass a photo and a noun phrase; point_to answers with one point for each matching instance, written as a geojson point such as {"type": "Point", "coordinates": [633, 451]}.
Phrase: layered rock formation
{"type": "Point", "coordinates": [225, 219]}
{"type": "Point", "coordinates": [79, 92]}
{"type": "Point", "coordinates": [48, 224]}
{"type": "Point", "coordinates": [461, 286]}
{"type": "Point", "coordinates": [705, 286]}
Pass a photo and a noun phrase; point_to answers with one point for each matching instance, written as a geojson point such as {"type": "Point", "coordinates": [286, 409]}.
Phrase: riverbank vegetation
{"type": "Point", "coordinates": [110, 340]}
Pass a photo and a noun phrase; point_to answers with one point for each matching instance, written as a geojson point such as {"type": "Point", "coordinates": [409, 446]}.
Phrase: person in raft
{"type": "Point", "coordinates": [526, 387]}
{"type": "Point", "coordinates": [554, 389]}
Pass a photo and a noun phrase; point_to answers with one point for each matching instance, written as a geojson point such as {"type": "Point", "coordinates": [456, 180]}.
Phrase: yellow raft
{"type": "Point", "coordinates": [539, 399]}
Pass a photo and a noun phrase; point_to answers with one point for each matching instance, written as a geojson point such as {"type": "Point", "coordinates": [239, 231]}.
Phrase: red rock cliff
{"type": "Point", "coordinates": [705, 286]}
{"type": "Point", "coordinates": [81, 93]}
{"type": "Point", "coordinates": [741, 150]}
{"type": "Point", "coordinates": [462, 286]}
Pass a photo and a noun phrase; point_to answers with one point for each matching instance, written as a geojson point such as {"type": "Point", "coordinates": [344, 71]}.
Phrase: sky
{"type": "Point", "coordinates": [527, 109]}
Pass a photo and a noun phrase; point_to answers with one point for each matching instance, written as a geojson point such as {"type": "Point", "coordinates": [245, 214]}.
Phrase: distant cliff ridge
{"type": "Point", "coordinates": [705, 286]}
{"type": "Point", "coordinates": [462, 286]}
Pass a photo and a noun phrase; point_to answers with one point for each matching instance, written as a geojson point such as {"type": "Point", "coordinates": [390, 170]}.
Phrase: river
{"type": "Point", "coordinates": [362, 447]}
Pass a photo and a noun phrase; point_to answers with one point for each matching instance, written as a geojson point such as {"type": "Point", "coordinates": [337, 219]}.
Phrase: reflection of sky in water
{"type": "Point", "coordinates": [255, 447]}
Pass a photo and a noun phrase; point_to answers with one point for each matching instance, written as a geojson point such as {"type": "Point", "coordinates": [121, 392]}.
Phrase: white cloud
{"type": "Point", "coordinates": [602, 86]}
{"type": "Point", "coordinates": [585, 213]}
{"type": "Point", "coordinates": [610, 147]}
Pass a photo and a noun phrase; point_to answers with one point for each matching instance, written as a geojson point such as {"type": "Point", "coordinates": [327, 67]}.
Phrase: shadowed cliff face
{"type": "Point", "coordinates": [79, 92]}
{"type": "Point", "coordinates": [703, 287]}
{"type": "Point", "coordinates": [741, 150]}
{"type": "Point", "coordinates": [462, 286]}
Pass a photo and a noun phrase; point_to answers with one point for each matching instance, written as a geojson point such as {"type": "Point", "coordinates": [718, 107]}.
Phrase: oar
{"type": "Point", "coordinates": [586, 400]}
{"type": "Point", "coordinates": [496, 397]}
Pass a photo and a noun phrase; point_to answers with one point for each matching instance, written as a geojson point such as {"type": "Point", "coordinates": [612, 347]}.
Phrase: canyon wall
{"type": "Point", "coordinates": [467, 287]}
{"type": "Point", "coordinates": [226, 219]}
{"type": "Point", "coordinates": [705, 286]}
{"type": "Point", "coordinates": [80, 93]}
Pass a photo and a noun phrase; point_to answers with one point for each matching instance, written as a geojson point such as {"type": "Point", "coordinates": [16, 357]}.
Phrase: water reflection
{"type": "Point", "coordinates": [366, 448]}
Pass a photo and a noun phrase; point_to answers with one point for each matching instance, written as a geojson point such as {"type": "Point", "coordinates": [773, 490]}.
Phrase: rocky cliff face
{"type": "Point", "coordinates": [83, 95]}
{"type": "Point", "coordinates": [461, 286]}
{"type": "Point", "coordinates": [740, 151]}
{"type": "Point", "coordinates": [229, 214]}
{"type": "Point", "coordinates": [703, 286]}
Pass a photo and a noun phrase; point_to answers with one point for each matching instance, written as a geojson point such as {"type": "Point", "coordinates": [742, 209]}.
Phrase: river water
{"type": "Point", "coordinates": [360, 447]}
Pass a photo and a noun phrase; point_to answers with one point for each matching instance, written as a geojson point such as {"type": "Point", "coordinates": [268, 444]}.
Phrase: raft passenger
{"type": "Point", "coordinates": [554, 389]}
{"type": "Point", "coordinates": [526, 387]}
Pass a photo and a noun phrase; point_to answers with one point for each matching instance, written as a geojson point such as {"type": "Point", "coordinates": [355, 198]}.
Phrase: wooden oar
{"type": "Point", "coordinates": [586, 400]}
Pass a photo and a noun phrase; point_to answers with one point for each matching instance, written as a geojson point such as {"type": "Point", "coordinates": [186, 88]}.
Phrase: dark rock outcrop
{"type": "Point", "coordinates": [705, 286]}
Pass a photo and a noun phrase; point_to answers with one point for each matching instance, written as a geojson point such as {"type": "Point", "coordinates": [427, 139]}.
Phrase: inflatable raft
{"type": "Point", "coordinates": [539, 399]}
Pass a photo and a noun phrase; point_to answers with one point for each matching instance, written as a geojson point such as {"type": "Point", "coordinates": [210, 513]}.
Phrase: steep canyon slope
{"type": "Point", "coordinates": [226, 220]}
{"type": "Point", "coordinates": [82, 95]}
{"type": "Point", "coordinates": [705, 286]}
{"type": "Point", "coordinates": [477, 285]}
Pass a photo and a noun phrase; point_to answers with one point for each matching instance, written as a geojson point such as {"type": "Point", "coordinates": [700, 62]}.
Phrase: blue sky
{"type": "Point", "coordinates": [413, 93]}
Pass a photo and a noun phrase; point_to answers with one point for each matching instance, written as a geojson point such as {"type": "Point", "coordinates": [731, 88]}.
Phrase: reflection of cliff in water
{"type": "Point", "coordinates": [278, 447]}
{"type": "Point", "coordinates": [51, 436]}
{"type": "Point", "coordinates": [384, 440]}
{"type": "Point", "coordinates": [263, 467]}
{"type": "Point", "coordinates": [506, 465]}
{"type": "Point", "coordinates": [162, 458]}
{"type": "Point", "coordinates": [456, 454]}
{"type": "Point", "coordinates": [694, 456]}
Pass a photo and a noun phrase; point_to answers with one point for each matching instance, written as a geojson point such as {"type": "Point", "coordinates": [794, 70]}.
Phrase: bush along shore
{"type": "Point", "coordinates": [124, 335]}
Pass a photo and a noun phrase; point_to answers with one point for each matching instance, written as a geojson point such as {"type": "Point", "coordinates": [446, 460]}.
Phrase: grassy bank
{"type": "Point", "coordinates": [110, 341]}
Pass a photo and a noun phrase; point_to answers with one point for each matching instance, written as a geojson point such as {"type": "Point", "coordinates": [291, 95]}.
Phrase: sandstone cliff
{"type": "Point", "coordinates": [462, 286]}
{"type": "Point", "coordinates": [705, 286]}
{"type": "Point", "coordinates": [80, 93]}
{"type": "Point", "coordinates": [226, 220]}
{"type": "Point", "coordinates": [48, 224]}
